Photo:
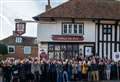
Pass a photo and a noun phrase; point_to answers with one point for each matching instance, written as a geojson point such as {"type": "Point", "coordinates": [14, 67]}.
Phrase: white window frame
{"type": "Point", "coordinates": [12, 46]}
{"type": "Point", "coordinates": [72, 33]}
{"type": "Point", "coordinates": [27, 47]}
{"type": "Point", "coordinates": [18, 40]}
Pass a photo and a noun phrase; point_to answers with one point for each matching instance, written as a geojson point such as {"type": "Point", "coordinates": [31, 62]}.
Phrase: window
{"type": "Point", "coordinates": [107, 30]}
{"type": "Point", "coordinates": [75, 29]}
{"type": "Point", "coordinates": [65, 28]}
{"type": "Point", "coordinates": [70, 28]}
{"type": "Point", "coordinates": [51, 47]}
{"type": "Point", "coordinates": [80, 29]}
{"type": "Point", "coordinates": [11, 49]}
{"type": "Point", "coordinates": [18, 40]}
{"type": "Point", "coordinates": [27, 49]}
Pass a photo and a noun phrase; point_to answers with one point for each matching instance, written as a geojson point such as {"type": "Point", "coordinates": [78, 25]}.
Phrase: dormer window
{"type": "Point", "coordinates": [72, 29]}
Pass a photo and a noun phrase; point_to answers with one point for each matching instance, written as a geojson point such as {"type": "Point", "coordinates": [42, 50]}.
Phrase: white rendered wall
{"type": "Point", "coordinates": [46, 30]}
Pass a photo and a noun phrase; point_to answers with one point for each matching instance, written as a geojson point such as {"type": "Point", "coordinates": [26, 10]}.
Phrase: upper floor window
{"type": "Point", "coordinates": [107, 29]}
{"type": "Point", "coordinates": [19, 39]}
{"type": "Point", "coordinates": [72, 28]}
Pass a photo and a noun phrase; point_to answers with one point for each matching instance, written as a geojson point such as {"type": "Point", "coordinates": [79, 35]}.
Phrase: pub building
{"type": "Point", "coordinates": [80, 28]}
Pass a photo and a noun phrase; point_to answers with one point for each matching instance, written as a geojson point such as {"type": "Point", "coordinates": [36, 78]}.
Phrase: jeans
{"type": "Point", "coordinates": [79, 75]}
{"type": "Point", "coordinates": [65, 76]}
{"type": "Point", "coordinates": [108, 74]}
{"type": "Point", "coordinates": [89, 76]}
{"type": "Point", "coordinates": [59, 76]}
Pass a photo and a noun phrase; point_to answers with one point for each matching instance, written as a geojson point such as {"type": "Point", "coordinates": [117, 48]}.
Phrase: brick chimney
{"type": "Point", "coordinates": [48, 6]}
{"type": "Point", "coordinates": [14, 33]}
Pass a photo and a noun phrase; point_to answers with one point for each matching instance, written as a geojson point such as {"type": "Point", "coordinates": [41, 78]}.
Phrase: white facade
{"type": "Point", "coordinates": [47, 29]}
{"type": "Point", "coordinates": [104, 46]}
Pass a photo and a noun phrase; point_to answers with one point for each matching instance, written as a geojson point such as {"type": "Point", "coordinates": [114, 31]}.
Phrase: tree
{"type": "Point", "coordinates": [3, 49]}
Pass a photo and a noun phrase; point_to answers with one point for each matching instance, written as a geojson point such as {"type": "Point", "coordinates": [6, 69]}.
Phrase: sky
{"type": "Point", "coordinates": [21, 9]}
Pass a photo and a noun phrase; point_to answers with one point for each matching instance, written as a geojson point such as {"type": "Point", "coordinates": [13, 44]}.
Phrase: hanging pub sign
{"type": "Point", "coordinates": [20, 28]}
{"type": "Point", "coordinates": [67, 38]}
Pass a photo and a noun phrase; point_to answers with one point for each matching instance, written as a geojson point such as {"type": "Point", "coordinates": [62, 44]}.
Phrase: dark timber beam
{"type": "Point", "coordinates": [115, 46]}
{"type": "Point", "coordinates": [98, 37]}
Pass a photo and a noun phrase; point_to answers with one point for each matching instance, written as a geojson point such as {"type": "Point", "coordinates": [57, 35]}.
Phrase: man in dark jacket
{"type": "Point", "coordinates": [53, 72]}
{"type": "Point", "coordinates": [6, 72]}
{"type": "Point", "coordinates": [44, 70]}
{"type": "Point", "coordinates": [15, 74]}
{"type": "Point", "coordinates": [101, 70]}
{"type": "Point", "coordinates": [113, 71]}
{"type": "Point", "coordinates": [29, 76]}
{"type": "Point", "coordinates": [22, 72]}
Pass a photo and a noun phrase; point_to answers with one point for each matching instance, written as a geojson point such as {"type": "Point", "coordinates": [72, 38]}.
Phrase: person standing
{"type": "Point", "coordinates": [65, 74]}
{"type": "Point", "coordinates": [84, 70]}
{"type": "Point", "coordinates": [95, 72]}
{"type": "Point", "coordinates": [69, 70]}
{"type": "Point", "coordinates": [79, 69]}
{"type": "Point", "coordinates": [6, 72]}
{"type": "Point", "coordinates": [15, 75]}
{"type": "Point", "coordinates": [89, 71]}
{"type": "Point", "coordinates": [36, 71]}
{"type": "Point", "coordinates": [113, 71]}
{"type": "Point", "coordinates": [59, 69]}
{"type": "Point", "coordinates": [21, 71]}
{"type": "Point", "coordinates": [108, 70]}
{"type": "Point", "coordinates": [74, 70]}
{"type": "Point", "coordinates": [101, 68]}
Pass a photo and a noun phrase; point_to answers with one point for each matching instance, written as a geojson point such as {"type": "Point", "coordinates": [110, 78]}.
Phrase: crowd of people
{"type": "Point", "coordinates": [41, 70]}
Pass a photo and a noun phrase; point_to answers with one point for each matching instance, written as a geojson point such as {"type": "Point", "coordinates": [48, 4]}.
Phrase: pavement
{"type": "Point", "coordinates": [99, 81]}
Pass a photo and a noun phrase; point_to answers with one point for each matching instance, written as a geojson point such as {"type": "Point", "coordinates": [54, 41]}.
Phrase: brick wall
{"type": "Point", "coordinates": [19, 52]}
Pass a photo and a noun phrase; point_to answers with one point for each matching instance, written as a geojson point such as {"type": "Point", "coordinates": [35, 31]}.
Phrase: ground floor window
{"type": "Point", "coordinates": [11, 49]}
{"type": "Point", "coordinates": [27, 50]}
{"type": "Point", "coordinates": [67, 50]}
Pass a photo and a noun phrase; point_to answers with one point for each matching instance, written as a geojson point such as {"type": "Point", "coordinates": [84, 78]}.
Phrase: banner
{"type": "Point", "coordinates": [116, 56]}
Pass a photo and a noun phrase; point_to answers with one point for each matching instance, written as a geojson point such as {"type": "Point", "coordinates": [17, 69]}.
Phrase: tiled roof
{"type": "Point", "coordinates": [11, 40]}
{"type": "Point", "coordinates": [84, 9]}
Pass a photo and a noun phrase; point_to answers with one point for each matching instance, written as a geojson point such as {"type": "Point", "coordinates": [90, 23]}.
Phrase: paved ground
{"type": "Point", "coordinates": [98, 81]}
